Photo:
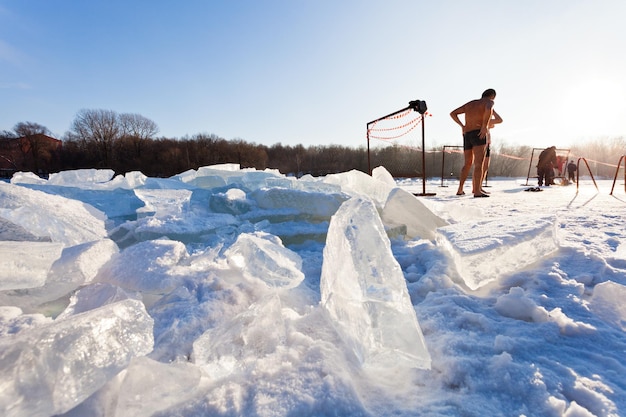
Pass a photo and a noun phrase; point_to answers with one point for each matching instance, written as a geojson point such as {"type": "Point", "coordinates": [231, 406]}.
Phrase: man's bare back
{"type": "Point", "coordinates": [477, 115]}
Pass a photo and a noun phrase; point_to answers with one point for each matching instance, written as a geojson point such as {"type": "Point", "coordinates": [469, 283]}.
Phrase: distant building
{"type": "Point", "coordinates": [38, 153]}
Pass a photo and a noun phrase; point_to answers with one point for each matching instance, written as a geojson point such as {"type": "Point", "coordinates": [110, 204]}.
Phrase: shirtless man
{"type": "Point", "coordinates": [496, 119]}
{"type": "Point", "coordinates": [479, 118]}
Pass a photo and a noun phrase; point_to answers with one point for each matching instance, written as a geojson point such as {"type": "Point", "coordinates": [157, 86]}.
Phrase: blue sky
{"type": "Point", "coordinates": [316, 71]}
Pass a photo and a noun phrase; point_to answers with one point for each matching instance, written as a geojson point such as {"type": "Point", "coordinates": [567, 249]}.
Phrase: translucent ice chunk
{"type": "Point", "coordinates": [261, 256]}
{"type": "Point", "coordinates": [145, 267]}
{"type": "Point", "coordinates": [27, 178]}
{"type": "Point", "coordinates": [233, 201]}
{"type": "Point", "coordinates": [403, 208]}
{"type": "Point", "coordinates": [364, 290]}
{"type": "Point", "coordinates": [163, 202]}
{"type": "Point", "coordinates": [48, 370]}
{"type": "Point", "coordinates": [60, 219]}
{"type": "Point", "coordinates": [135, 179]}
{"type": "Point", "coordinates": [76, 266]}
{"type": "Point", "coordinates": [250, 335]}
{"type": "Point", "coordinates": [484, 251]}
{"type": "Point", "coordinates": [382, 175]}
{"type": "Point", "coordinates": [187, 176]}
{"type": "Point", "coordinates": [78, 177]}
{"type": "Point", "coordinates": [13, 321]}
{"type": "Point", "coordinates": [94, 296]}
{"type": "Point", "coordinates": [316, 204]}
{"type": "Point", "coordinates": [209, 181]}
{"type": "Point", "coordinates": [143, 392]}
{"type": "Point", "coordinates": [229, 174]}
{"type": "Point", "coordinates": [26, 264]}
{"type": "Point", "coordinates": [356, 182]}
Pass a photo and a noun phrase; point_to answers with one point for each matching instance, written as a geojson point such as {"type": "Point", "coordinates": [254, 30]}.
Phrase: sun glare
{"type": "Point", "coordinates": [594, 107]}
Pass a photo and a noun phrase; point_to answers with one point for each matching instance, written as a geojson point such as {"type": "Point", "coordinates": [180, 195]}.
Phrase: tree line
{"type": "Point", "coordinates": [128, 142]}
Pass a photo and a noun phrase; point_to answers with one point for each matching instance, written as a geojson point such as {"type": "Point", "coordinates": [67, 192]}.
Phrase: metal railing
{"type": "Point", "coordinates": [622, 158]}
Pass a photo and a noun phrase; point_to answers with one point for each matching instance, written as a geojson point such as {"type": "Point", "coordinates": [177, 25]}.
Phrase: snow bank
{"type": "Point", "coordinates": [516, 304]}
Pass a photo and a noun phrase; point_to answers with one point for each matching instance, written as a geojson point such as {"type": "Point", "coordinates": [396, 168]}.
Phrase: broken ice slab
{"type": "Point", "coordinates": [26, 264]}
{"type": "Point", "coordinates": [81, 177]}
{"type": "Point", "coordinates": [146, 267]}
{"type": "Point", "coordinates": [76, 266]}
{"type": "Point", "coordinates": [48, 370]}
{"type": "Point", "coordinates": [255, 333]}
{"type": "Point", "coordinates": [60, 219]}
{"type": "Point", "coordinates": [403, 208]}
{"type": "Point", "coordinates": [233, 201]}
{"type": "Point", "coordinates": [16, 233]}
{"type": "Point", "coordinates": [263, 257]}
{"type": "Point", "coordinates": [364, 290]}
{"type": "Point", "coordinates": [162, 202]}
{"type": "Point", "coordinates": [151, 388]}
{"type": "Point", "coordinates": [315, 204]}
{"type": "Point", "coordinates": [483, 251]}
{"type": "Point", "coordinates": [356, 182]}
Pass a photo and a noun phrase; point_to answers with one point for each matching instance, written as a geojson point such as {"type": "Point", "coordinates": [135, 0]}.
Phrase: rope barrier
{"type": "Point", "coordinates": [414, 122]}
{"type": "Point", "coordinates": [395, 128]}
{"type": "Point", "coordinates": [603, 163]}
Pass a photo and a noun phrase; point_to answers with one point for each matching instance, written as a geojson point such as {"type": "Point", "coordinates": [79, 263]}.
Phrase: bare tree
{"type": "Point", "coordinates": [138, 129]}
{"type": "Point", "coordinates": [31, 142]}
{"type": "Point", "coordinates": [7, 134]}
{"type": "Point", "coordinates": [26, 129]}
{"type": "Point", "coordinates": [99, 126]}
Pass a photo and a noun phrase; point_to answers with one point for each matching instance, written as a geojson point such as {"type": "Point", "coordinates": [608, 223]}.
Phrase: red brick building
{"type": "Point", "coordinates": [38, 153]}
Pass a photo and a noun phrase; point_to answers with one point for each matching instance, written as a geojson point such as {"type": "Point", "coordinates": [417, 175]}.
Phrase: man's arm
{"type": "Point", "coordinates": [455, 115]}
{"type": "Point", "coordinates": [496, 119]}
{"type": "Point", "coordinates": [484, 126]}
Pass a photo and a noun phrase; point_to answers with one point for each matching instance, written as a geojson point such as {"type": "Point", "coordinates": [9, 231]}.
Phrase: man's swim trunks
{"type": "Point", "coordinates": [471, 139]}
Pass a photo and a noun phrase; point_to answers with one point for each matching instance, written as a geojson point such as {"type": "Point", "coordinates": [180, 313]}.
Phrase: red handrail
{"type": "Point", "coordinates": [622, 158]}
{"type": "Point", "coordinates": [578, 173]}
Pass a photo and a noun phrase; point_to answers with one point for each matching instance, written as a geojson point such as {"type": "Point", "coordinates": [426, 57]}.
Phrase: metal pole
{"type": "Point", "coordinates": [530, 164]}
{"type": "Point", "coordinates": [617, 172]}
{"type": "Point", "coordinates": [443, 163]}
{"type": "Point", "coordinates": [369, 165]}
{"type": "Point", "coordinates": [389, 115]}
{"type": "Point", "coordinates": [423, 156]}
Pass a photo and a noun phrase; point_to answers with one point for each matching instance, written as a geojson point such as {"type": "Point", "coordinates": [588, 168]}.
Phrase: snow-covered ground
{"type": "Point", "coordinates": [228, 292]}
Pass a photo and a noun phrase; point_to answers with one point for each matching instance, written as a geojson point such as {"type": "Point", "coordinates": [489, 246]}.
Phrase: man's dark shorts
{"type": "Point", "coordinates": [471, 139]}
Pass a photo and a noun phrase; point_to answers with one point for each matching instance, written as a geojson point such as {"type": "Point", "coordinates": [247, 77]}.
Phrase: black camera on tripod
{"type": "Point", "coordinates": [419, 106]}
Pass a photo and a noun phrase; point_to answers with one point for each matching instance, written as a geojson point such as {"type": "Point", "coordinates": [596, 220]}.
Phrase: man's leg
{"type": "Point", "coordinates": [477, 178]}
{"type": "Point", "coordinates": [485, 170]}
{"type": "Point", "coordinates": [467, 165]}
